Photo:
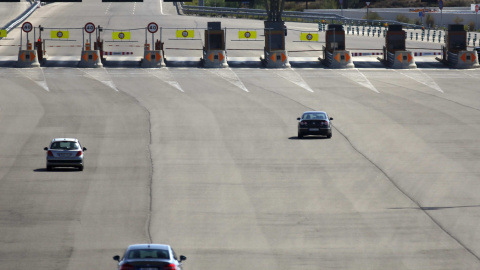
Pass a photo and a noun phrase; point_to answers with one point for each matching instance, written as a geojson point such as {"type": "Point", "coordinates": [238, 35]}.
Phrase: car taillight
{"type": "Point", "coordinates": [49, 153]}
{"type": "Point", "coordinates": [79, 153]}
{"type": "Point", "coordinates": [127, 267]}
{"type": "Point", "coordinates": [170, 267]}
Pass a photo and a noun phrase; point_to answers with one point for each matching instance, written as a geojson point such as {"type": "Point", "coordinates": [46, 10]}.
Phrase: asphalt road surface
{"type": "Point", "coordinates": [207, 160]}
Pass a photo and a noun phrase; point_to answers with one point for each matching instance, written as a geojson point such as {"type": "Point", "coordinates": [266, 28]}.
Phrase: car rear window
{"type": "Point", "coordinates": [149, 254]}
{"type": "Point", "coordinates": [65, 145]}
{"type": "Point", "coordinates": [314, 116]}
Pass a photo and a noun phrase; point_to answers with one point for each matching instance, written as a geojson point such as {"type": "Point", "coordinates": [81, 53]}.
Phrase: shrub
{"type": "Point", "coordinates": [372, 16]}
{"type": "Point", "coordinates": [458, 20]}
{"type": "Point", "coordinates": [403, 18]}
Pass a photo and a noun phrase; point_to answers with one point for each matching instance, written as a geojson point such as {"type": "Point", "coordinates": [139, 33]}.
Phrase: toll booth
{"type": "Point", "coordinates": [334, 53]}
{"type": "Point", "coordinates": [395, 54]}
{"type": "Point", "coordinates": [275, 55]}
{"type": "Point", "coordinates": [214, 54]}
{"type": "Point", "coordinates": [40, 47]}
{"type": "Point", "coordinates": [455, 53]}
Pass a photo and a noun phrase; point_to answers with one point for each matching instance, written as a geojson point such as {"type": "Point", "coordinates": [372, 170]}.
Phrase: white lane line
{"type": "Point", "coordinates": [166, 76]}
{"type": "Point", "coordinates": [36, 75]}
{"type": "Point", "coordinates": [106, 11]}
{"type": "Point", "coordinates": [134, 6]}
{"type": "Point", "coordinates": [420, 77]}
{"type": "Point", "coordinates": [101, 75]}
{"type": "Point", "coordinates": [228, 75]}
{"type": "Point", "coordinates": [360, 78]}
{"type": "Point", "coordinates": [292, 76]}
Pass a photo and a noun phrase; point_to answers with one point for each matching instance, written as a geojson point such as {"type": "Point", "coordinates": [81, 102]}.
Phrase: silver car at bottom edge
{"type": "Point", "coordinates": [149, 257]}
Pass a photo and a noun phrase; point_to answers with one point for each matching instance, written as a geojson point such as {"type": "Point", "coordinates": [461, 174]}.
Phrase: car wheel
{"type": "Point", "coordinates": [49, 168]}
{"type": "Point", "coordinates": [329, 135]}
{"type": "Point", "coordinates": [300, 135]}
{"type": "Point", "coordinates": [80, 168]}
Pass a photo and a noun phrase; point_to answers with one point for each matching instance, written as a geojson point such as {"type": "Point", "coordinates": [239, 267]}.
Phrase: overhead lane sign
{"type": "Point", "coordinates": [247, 34]}
{"type": "Point", "coordinates": [60, 34]}
{"type": "Point", "coordinates": [309, 36]}
{"type": "Point", "coordinates": [185, 33]}
{"type": "Point", "coordinates": [121, 35]}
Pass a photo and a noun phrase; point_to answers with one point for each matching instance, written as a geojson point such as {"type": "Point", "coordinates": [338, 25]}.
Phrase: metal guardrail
{"type": "Point", "coordinates": [22, 17]}
{"type": "Point", "coordinates": [286, 15]}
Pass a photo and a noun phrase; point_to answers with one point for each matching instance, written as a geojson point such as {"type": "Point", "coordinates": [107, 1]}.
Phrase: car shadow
{"type": "Point", "coordinates": [56, 170]}
{"type": "Point", "coordinates": [309, 138]}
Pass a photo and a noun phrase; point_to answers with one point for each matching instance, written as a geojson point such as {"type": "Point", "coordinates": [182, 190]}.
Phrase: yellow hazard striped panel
{"type": "Point", "coordinates": [3, 33]}
{"type": "Point", "coordinates": [185, 34]}
{"type": "Point", "coordinates": [309, 36]}
{"type": "Point", "coordinates": [121, 35]}
{"type": "Point", "coordinates": [247, 34]}
{"type": "Point", "coordinates": [59, 34]}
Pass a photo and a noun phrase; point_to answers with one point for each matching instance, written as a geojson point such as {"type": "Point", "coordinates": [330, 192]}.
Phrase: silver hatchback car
{"type": "Point", "coordinates": [149, 257]}
{"type": "Point", "coordinates": [65, 152]}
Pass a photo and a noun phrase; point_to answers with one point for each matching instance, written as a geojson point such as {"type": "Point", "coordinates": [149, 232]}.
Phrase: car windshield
{"type": "Point", "coordinates": [314, 116]}
{"type": "Point", "coordinates": [148, 254]}
{"type": "Point", "coordinates": [65, 145]}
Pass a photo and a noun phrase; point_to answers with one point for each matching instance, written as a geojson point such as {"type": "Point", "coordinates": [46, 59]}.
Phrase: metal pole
{"type": "Point", "coordinates": [441, 15]}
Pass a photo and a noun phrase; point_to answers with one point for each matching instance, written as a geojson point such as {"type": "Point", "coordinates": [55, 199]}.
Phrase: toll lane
{"type": "Point", "coordinates": [55, 219]}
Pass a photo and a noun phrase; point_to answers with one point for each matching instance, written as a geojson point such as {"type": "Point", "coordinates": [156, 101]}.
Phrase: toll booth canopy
{"type": "Point", "coordinates": [274, 36]}
{"type": "Point", "coordinates": [456, 38]}
{"type": "Point", "coordinates": [395, 38]}
{"type": "Point", "coordinates": [335, 38]}
{"type": "Point", "coordinates": [214, 37]}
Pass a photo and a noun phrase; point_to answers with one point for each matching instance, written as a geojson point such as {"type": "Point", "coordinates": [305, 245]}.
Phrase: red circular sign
{"type": "Point", "coordinates": [27, 27]}
{"type": "Point", "coordinates": [152, 27]}
{"type": "Point", "coordinates": [89, 27]}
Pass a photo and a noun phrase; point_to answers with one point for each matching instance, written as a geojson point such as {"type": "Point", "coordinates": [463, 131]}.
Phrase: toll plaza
{"type": "Point", "coordinates": [214, 54]}
{"type": "Point", "coordinates": [275, 55]}
{"type": "Point", "coordinates": [334, 53]}
{"type": "Point", "coordinates": [455, 53]}
{"type": "Point", "coordinates": [395, 54]}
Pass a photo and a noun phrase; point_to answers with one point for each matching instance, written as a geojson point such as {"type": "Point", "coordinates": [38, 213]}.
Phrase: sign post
{"type": "Point", "coordinates": [440, 5]}
{"type": "Point", "coordinates": [341, 6]}
{"type": "Point", "coordinates": [26, 27]}
{"type": "Point", "coordinates": [368, 5]}
{"type": "Point", "coordinates": [89, 28]}
{"type": "Point", "coordinates": [152, 28]}
{"type": "Point", "coordinates": [476, 16]}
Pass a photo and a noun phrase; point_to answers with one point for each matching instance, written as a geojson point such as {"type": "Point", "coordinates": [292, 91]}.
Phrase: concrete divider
{"type": "Point", "coordinates": [463, 59]}
{"type": "Point", "coordinates": [275, 59]}
{"type": "Point", "coordinates": [90, 59]}
{"type": "Point", "coordinates": [214, 59]}
{"type": "Point", "coordinates": [27, 58]}
{"type": "Point", "coordinates": [401, 60]}
{"type": "Point", "coordinates": [338, 59]}
{"type": "Point", "coordinates": [152, 59]}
